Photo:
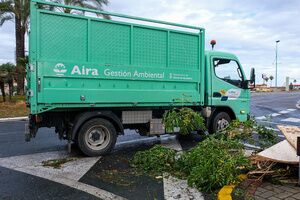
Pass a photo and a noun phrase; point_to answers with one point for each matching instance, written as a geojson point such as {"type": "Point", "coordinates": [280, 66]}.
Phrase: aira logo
{"type": "Point", "coordinates": [60, 69]}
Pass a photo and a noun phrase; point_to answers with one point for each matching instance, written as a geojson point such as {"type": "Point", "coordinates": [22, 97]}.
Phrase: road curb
{"type": "Point", "coordinates": [225, 192]}
{"type": "Point", "coordinates": [13, 119]}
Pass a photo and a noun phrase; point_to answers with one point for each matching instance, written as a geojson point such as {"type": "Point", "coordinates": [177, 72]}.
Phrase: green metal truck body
{"type": "Point", "coordinates": [80, 64]}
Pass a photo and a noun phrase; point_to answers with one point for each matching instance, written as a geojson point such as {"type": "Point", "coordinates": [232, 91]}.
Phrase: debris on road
{"type": "Point", "coordinates": [282, 152]}
{"type": "Point", "coordinates": [278, 160]}
{"type": "Point", "coordinates": [291, 133]}
{"type": "Point", "coordinates": [57, 163]}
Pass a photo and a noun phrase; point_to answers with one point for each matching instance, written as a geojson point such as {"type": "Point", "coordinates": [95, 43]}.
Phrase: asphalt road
{"type": "Point", "coordinates": [276, 108]}
{"type": "Point", "coordinates": [18, 185]}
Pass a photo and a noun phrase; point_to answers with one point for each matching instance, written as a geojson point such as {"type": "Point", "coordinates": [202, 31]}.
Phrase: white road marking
{"type": "Point", "coordinates": [261, 118]}
{"type": "Point", "coordinates": [175, 188]}
{"type": "Point", "coordinates": [291, 109]}
{"type": "Point", "coordinates": [287, 111]}
{"type": "Point", "coordinates": [251, 146]}
{"type": "Point", "coordinates": [298, 104]}
{"type": "Point", "coordinates": [172, 143]}
{"type": "Point", "coordinates": [274, 129]}
{"type": "Point", "coordinates": [68, 174]}
{"type": "Point", "coordinates": [275, 114]}
{"type": "Point", "coordinates": [274, 123]}
{"type": "Point", "coordinates": [13, 119]}
{"type": "Point", "coordinates": [178, 189]}
{"type": "Point", "coordinates": [142, 140]}
{"type": "Point", "coordinates": [291, 119]}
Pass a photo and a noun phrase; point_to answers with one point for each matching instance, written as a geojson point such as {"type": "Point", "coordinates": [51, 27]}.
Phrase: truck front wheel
{"type": "Point", "coordinates": [97, 137]}
{"type": "Point", "coordinates": [220, 121]}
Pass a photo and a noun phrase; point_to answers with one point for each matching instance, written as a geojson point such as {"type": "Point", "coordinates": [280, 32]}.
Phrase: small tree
{"type": "Point", "coordinates": [271, 79]}
{"type": "Point", "coordinates": [3, 74]}
{"type": "Point", "coordinates": [266, 79]}
{"type": "Point", "coordinates": [7, 75]}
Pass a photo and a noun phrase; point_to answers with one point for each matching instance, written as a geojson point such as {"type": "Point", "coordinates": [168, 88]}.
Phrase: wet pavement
{"type": "Point", "coordinates": [16, 185]}
{"type": "Point", "coordinates": [113, 173]}
{"type": "Point", "coordinates": [277, 192]}
{"type": "Point", "coordinates": [110, 173]}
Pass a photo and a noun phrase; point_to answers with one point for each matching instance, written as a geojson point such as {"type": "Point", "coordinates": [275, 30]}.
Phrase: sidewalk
{"type": "Point", "coordinates": [277, 192]}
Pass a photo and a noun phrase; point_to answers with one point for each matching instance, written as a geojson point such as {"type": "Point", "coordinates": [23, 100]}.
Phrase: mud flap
{"type": "Point", "coordinates": [27, 133]}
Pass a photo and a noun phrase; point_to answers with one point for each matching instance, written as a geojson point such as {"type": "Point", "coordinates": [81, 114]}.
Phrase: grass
{"type": "Point", "coordinates": [15, 107]}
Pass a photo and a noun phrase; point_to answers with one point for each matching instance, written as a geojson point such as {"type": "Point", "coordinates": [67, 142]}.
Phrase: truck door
{"type": "Point", "coordinates": [227, 86]}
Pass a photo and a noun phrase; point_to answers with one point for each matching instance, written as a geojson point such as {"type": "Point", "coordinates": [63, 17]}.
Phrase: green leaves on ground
{"type": "Point", "coordinates": [213, 163]}
{"type": "Point", "coordinates": [250, 132]}
{"type": "Point", "coordinates": [155, 160]}
{"type": "Point", "coordinates": [210, 165]}
{"type": "Point", "coordinates": [186, 119]}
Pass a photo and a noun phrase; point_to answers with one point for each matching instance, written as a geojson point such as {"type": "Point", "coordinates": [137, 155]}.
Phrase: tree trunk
{"type": "Point", "coordinates": [10, 88]}
{"type": "Point", "coordinates": [2, 90]}
{"type": "Point", "coordinates": [20, 55]}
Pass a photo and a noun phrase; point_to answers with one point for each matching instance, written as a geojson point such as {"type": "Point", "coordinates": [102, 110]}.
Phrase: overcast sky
{"type": "Point", "coordinates": [247, 28]}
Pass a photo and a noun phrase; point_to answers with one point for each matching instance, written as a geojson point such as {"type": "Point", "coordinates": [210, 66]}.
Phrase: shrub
{"type": "Point", "coordinates": [186, 119]}
{"type": "Point", "coordinates": [210, 165]}
{"type": "Point", "coordinates": [246, 131]}
{"type": "Point", "coordinates": [213, 163]}
{"type": "Point", "coordinates": [158, 159]}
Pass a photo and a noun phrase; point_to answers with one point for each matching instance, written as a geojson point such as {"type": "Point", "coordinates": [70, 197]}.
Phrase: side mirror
{"type": "Point", "coordinates": [252, 79]}
{"type": "Point", "coordinates": [249, 84]}
{"type": "Point", "coordinates": [252, 76]}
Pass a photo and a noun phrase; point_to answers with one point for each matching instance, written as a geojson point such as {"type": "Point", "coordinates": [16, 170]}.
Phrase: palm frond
{"type": "Point", "coordinates": [90, 4]}
{"type": "Point", "coordinates": [6, 17]}
{"type": "Point", "coordinates": [6, 6]}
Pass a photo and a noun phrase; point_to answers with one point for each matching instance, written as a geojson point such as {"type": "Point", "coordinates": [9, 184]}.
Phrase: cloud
{"type": "Point", "coordinates": [247, 28]}
{"type": "Point", "coordinates": [7, 43]}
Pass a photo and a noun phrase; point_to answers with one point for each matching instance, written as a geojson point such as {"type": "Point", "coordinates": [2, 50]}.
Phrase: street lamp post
{"type": "Point", "coordinates": [277, 41]}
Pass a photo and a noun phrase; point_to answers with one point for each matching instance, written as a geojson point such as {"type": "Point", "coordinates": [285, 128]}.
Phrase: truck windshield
{"type": "Point", "coordinates": [228, 70]}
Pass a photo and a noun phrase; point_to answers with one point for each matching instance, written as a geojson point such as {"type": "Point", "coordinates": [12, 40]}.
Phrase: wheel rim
{"type": "Point", "coordinates": [222, 124]}
{"type": "Point", "coordinates": [97, 137]}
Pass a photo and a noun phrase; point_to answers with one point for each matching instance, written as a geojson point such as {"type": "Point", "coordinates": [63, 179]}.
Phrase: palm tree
{"type": "Point", "coordinates": [91, 4]}
{"type": "Point", "coordinates": [267, 79]}
{"type": "Point", "coordinates": [271, 78]}
{"type": "Point", "coordinates": [2, 84]}
{"type": "Point", "coordinates": [7, 74]}
{"type": "Point", "coordinates": [17, 11]}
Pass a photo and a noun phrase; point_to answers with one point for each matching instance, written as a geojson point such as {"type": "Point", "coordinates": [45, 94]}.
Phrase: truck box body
{"type": "Point", "coordinates": [91, 78]}
{"type": "Point", "coordinates": [79, 61]}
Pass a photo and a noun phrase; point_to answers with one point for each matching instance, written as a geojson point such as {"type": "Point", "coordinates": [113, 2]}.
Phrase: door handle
{"type": "Point", "coordinates": [217, 94]}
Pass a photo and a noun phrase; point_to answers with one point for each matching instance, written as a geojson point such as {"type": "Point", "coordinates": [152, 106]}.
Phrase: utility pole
{"type": "Point", "coordinates": [277, 41]}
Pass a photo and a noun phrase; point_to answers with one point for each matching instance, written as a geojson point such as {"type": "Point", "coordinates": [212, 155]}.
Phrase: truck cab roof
{"type": "Point", "coordinates": [221, 54]}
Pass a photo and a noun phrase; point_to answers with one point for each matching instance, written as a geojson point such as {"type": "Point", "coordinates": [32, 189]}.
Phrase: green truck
{"type": "Point", "coordinates": [91, 77]}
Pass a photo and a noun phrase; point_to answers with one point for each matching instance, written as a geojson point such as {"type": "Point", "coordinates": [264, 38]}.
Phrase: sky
{"type": "Point", "coordinates": [247, 28]}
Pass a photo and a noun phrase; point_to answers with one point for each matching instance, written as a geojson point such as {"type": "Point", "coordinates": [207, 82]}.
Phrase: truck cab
{"type": "Point", "coordinates": [227, 89]}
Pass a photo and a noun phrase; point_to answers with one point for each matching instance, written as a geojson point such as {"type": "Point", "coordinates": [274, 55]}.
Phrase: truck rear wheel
{"type": "Point", "coordinates": [220, 121]}
{"type": "Point", "coordinates": [97, 137]}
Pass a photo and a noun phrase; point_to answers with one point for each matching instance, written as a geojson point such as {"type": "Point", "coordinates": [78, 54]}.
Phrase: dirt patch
{"type": "Point", "coordinates": [14, 108]}
{"type": "Point", "coordinates": [57, 163]}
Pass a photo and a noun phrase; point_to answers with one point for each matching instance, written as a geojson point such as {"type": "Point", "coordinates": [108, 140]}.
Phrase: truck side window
{"type": "Point", "coordinates": [228, 70]}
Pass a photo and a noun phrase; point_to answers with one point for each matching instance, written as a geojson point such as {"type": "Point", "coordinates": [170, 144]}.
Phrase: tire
{"type": "Point", "coordinates": [97, 137]}
{"type": "Point", "coordinates": [220, 121]}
